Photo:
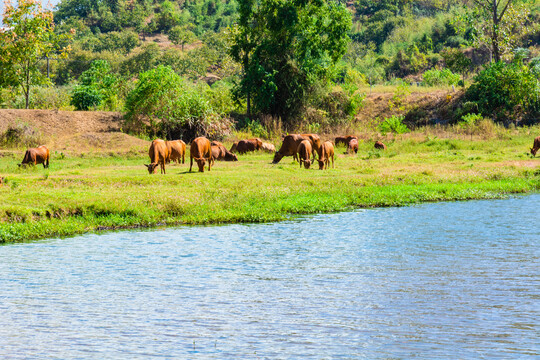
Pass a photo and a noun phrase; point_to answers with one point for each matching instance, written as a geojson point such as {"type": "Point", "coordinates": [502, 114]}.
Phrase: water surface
{"type": "Point", "coordinates": [445, 280]}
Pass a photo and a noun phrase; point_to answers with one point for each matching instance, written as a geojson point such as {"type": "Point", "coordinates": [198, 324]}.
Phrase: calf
{"type": "Point", "coordinates": [380, 145]}
{"type": "Point", "coordinates": [35, 156]}
{"type": "Point", "coordinates": [201, 151]}
{"type": "Point", "coordinates": [326, 152]}
{"type": "Point", "coordinates": [176, 150]}
{"type": "Point", "coordinates": [158, 154]}
{"type": "Point", "coordinates": [315, 142]}
{"type": "Point", "coordinates": [353, 146]}
{"type": "Point", "coordinates": [304, 153]}
{"type": "Point", "coordinates": [536, 146]}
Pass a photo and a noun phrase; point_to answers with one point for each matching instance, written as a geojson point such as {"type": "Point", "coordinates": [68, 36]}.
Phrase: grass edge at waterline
{"type": "Point", "coordinates": [273, 209]}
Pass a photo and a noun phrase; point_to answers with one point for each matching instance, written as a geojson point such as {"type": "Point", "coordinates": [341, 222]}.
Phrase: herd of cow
{"type": "Point", "coordinates": [304, 148]}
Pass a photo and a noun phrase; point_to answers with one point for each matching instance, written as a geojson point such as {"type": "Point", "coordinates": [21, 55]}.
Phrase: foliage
{"type": "Point", "coordinates": [163, 104]}
{"type": "Point", "coordinates": [181, 35]}
{"type": "Point", "coordinates": [503, 89]}
{"type": "Point", "coordinates": [456, 61]}
{"type": "Point", "coordinates": [284, 48]}
{"type": "Point", "coordinates": [97, 85]}
{"type": "Point", "coordinates": [393, 124]}
{"type": "Point", "coordinates": [28, 38]}
{"type": "Point", "coordinates": [403, 90]}
{"type": "Point", "coordinates": [436, 77]}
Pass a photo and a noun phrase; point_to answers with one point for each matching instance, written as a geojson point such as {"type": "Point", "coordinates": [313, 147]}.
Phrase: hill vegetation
{"type": "Point", "coordinates": [307, 63]}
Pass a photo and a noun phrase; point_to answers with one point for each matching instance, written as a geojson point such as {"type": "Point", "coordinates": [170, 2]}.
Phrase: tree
{"type": "Point", "coordinates": [28, 39]}
{"type": "Point", "coordinates": [498, 24]}
{"type": "Point", "coordinates": [285, 47]}
{"type": "Point", "coordinates": [181, 35]}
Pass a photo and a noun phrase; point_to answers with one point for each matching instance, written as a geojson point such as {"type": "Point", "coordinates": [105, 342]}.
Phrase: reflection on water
{"type": "Point", "coordinates": [447, 280]}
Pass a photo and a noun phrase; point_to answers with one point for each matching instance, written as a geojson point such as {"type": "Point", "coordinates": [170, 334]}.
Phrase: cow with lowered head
{"type": "Point", "coordinates": [158, 154]}
{"type": "Point", "coordinates": [201, 151]}
{"type": "Point", "coordinates": [35, 156]}
{"type": "Point", "coordinates": [304, 153]}
{"type": "Point", "coordinates": [536, 146]}
{"type": "Point", "coordinates": [220, 152]}
{"type": "Point", "coordinates": [326, 152]}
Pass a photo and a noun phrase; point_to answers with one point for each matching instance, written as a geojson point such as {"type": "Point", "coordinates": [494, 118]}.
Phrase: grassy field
{"type": "Point", "coordinates": [89, 192]}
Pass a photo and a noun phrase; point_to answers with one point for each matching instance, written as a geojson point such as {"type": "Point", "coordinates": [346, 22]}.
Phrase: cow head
{"type": "Point", "coordinates": [151, 167]}
{"type": "Point", "coordinates": [230, 157]}
{"type": "Point", "coordinates": [277, 158]}
{"type": "Point", "coordinates": [533, 151]}
{"type": "Point", "coordinates": [200, 163]}
{"type": "Point", "coordinates": [321, 164]}
{"type": "Point", "coordinates": [307, 163]}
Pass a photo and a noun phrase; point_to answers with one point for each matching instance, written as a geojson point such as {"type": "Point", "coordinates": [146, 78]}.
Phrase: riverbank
{"type": "Point", "coordinates": [92, 191]}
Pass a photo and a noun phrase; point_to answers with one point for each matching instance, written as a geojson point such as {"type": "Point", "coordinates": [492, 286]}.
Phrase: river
{"type": "Point", "coordinates": [437, 281]}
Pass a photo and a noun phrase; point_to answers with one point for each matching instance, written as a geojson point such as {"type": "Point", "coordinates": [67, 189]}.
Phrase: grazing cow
{"type": "Point", "coordinates": [536, 146]}
{"type": "Point", "coordinates": [244, 146]}
{"type": "Point", "coordinates": [220, 152]}
{"type": "Point", "coordinates": [233, 147]}
{"type": "Point", "coordinates": [304, 153]}
{"type": "Point", "coordinates": [326, 152]}
{"type": "Point", "coordinates": [353, 146]}
{"type": "Point", "coordinates": [288, 147]}
{"type": "Point", "coordinates": [344, 139]}
{"type": "Point", "coordinates": [379, 145]}
{"type": "Point", "coordinates": [35, 156]}
{"type": "Point", "coordinates": [268, 147]}
{"type": "Point", "coordinates": [159, 154]}
{"type": "Point", "coordinates": [176, 150]}
{"type": "Point", "coordinates": [315, 142]}
{"type": "Point", "coordinates": [201, 150]}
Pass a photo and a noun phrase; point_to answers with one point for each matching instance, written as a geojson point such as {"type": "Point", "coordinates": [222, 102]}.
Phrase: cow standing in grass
{"type": "Point", "coordinates": [536, 146]}
{"type": "Point", "coordinates": [158, 154]}
{"type": "Point", "coordinates": [176, 150]}
{"type": "Point", "coordinates": [201, 151]}
{"type": "Point", "coordinates": [326, 152]}
{"type": "Point", "coordinates": [35, 156]}
{"type": "Point", "coordinates": [344, 140]}
{"type": "Point", "coordinates": [304, 153]}
{"type": "Point", "coordinates": [353, 146]}
{"type": "Point", "coordinates": [289, 146]}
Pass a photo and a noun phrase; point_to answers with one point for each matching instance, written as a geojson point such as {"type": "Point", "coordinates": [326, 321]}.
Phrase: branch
{"type": "Point", "coordinates": [482, 4]}
{"type": "Point", "coordinates": [505, 8]}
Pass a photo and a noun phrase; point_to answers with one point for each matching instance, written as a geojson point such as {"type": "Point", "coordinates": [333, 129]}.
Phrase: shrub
{"type": "Point", "coordinates": [163, 104]}
{"type": "Point", "coordinates": [505, 90]}
{"type": "Point", "coordinates": [440, 77]}
{"type": "Point", "coordinates": [20, 134]}
{"type": "Point", "coordinates": [393, 124]}
{"type": "Point", "coordinates": [97, 85]}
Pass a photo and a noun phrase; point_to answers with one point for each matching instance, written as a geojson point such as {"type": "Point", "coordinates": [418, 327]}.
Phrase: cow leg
{"type": "Point", "coordinates": [191, 164]}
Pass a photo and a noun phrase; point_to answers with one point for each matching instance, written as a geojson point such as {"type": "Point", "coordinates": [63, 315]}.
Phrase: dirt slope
{"type": "Point", "coordinates": [74, 131]}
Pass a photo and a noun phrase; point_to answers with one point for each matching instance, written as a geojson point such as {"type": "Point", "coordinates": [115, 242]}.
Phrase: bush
{"type": "Point", "coordinates": [505, 90]}
{"type": "Point", "coordinates": [20, 134]}
{"type": "Point", "coordinates": [97, 85]}
{"type": "Point", "coordinates": [163, 104]}
{"type": "Point", "coordinates": [393, 124]}
{"type": "Point", "coordinates": [440, 77]}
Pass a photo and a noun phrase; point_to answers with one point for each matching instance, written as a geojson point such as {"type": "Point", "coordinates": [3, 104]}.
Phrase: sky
{"type": "Point", "coordinates": [44, 2]}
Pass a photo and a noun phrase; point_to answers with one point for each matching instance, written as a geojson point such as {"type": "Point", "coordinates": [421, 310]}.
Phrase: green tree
{"type": "Point", "coordinates": [28, 39]}
{"type": "Point", "coordinates": [498, 24]}
{"type": "Point", "coordinates": [285, 47]}
{"type": "Point", "coordinates": [97, 85]}
{"type": "Point", "coordinates": [181, 35]}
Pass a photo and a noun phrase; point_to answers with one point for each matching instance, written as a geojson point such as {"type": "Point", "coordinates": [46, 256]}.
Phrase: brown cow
{"type": "Point", "coordinates": [158, 154]}
{"type": "Point", "coordinates": [288, 147]}
{"type": "Point", "coordinates": [35, 156]}
{"type": "Point", "coordinates": [268, 147]}
{"type": "Point", "coordinates": [326, 152]}
{"type": "Point", "coordinates": [2, 179]}
{"type": "Point", "coordinates": [220, 152]}
{"type": "Point", "coordinates": [536, 146]}
{"type": "Point", "coordinates": [244, 146]}
{"type": "Point", "coordinates": [304, 153]}
{"type": "Point", "coordinates": [353, 146]}
{"type": "Point", "coordinates": [201, 150]}
{"type": "Point", "coordinates": [315, 142]}
{"type": "Point", "coordinates": [233, 147]}
{"type": "Point", "coordinates": [176, 150]}
{"type": "Point", "coordinates": [345, 139]}
{"type": "Point", "coordinates": [380, 145]}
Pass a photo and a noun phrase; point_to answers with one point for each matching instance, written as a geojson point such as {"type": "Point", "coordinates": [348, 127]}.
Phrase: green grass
{"type": "Point", "coordinates": [81, 193]}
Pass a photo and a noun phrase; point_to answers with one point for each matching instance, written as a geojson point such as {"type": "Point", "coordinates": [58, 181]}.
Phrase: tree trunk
{"type": "Point", "coordinates": [495, 34]}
